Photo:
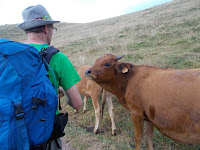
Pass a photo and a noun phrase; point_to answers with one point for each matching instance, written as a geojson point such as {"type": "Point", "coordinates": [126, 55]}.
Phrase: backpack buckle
{"type": "Point", "coordinates": [38, 101]}
{"type": "Point", "coordinates": [19, 112]}
{"type": "Point", "coordinates": [43, 52]}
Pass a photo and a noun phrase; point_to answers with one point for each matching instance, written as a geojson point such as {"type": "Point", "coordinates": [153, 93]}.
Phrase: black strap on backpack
{"type": "Point", "coordinates": [61, 119]}
{"type": "Point", "coordinates": [48, 52]}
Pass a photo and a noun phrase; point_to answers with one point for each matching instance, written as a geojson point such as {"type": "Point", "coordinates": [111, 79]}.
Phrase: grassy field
{"type": "Point", "coordinates": [165, 36]}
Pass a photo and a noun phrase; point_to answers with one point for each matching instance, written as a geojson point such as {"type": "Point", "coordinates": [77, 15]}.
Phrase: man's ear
{"type": "Point", "coordinates": [124, 67]}
{"type": "Point", "coordinates": [46, 29]}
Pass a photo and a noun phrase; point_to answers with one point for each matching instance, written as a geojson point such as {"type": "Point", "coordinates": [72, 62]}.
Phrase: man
{"type": "Point", "coordinates": [39, 28]}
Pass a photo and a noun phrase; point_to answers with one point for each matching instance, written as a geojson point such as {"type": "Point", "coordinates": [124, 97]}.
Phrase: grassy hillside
{"type": "Point", "coordinates": [167, 35]}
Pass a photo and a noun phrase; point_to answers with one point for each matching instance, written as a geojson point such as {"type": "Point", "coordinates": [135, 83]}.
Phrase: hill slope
{"type": "Point", "coordinates": [155, 36]}
{"type": "Point", "coordinates": [167, 35]}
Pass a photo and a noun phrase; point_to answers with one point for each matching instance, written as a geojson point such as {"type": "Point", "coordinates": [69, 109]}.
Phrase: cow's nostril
{"type": "Point", "coordinates": [87, 72]}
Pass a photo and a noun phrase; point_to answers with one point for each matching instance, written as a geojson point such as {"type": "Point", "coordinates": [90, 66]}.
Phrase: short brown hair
{"type": "Point", "coordinates": [39, 29]}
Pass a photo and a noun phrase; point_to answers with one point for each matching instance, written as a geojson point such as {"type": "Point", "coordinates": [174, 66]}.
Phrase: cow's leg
{"type": "Point", "coordinates": [111, 113]}
{"type": "Point", "coordinates": [95, 102]}
{"type": "Point", "coordinates": [85, 103]}
{"type": "Point", "coordinates": [138, 123]}
{"type": "Point", "coordinates": [149, 134]}
{"type": "Point", "coordinates": [103, 102]}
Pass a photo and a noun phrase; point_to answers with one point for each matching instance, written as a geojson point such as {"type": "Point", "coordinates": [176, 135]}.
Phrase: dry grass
{"type": "Point", "coordinates": [165, 36]}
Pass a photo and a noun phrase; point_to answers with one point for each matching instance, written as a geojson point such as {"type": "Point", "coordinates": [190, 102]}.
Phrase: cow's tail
{"type": "Point", "coordinates": [103, 102]}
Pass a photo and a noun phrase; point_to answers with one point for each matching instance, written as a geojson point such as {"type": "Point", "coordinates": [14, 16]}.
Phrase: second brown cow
{"type": "Point", "coordinates": [89, 88]}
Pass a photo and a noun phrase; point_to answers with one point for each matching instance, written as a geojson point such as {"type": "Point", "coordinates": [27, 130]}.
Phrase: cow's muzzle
{"type": "Point", "coordinates": [87, 73]}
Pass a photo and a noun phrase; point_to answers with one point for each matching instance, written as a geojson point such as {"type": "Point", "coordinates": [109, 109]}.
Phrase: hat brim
{"type": "Point", "coordinates": [35, 23]}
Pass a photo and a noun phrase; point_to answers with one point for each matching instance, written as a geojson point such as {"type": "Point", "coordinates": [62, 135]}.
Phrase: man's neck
{"type": "Point", "coordinates": [36, 38]}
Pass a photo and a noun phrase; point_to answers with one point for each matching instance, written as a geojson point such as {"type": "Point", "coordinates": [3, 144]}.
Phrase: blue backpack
{"type": "Point", "coordinates": [28, 101]}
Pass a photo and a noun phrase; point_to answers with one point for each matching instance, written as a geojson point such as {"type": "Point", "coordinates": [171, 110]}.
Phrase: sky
{"type": "Point", "coordinates": [74, 11]}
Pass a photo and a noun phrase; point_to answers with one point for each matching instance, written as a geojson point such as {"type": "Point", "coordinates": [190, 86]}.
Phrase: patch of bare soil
{"type": "Point", "coordinates": [65, 145]}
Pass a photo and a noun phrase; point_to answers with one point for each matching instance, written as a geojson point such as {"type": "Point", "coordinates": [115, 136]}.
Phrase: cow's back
{"type": "Point", "coordinates": [170, 88]}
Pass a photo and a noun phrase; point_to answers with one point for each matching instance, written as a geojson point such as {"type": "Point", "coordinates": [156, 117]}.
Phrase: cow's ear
{"type": "Point", "coordinates": [124, 67]}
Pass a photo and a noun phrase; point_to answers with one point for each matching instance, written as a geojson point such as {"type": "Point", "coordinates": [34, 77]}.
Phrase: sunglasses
{"type": "Point", "coordinates": [54, 29]}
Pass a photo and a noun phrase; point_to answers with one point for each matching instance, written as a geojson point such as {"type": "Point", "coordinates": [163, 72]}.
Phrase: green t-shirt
{"type": "Point", "coordinates": [65, 73]}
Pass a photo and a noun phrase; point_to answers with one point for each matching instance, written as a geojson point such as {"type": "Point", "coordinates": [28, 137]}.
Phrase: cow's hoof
{"type": "Point", "coordinates": [114, 132]}
{"type": "Point", "coordinates": [98, 131]}
{"type": "Point", "coordinates": [84, 111]}
{"type": "Point", "coordinates": [76, 111]}
{"type": "Point", "coordinates": [95, 131]}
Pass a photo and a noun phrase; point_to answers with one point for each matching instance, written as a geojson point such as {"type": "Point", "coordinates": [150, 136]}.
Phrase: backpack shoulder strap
{"type": "Point", "coordinates": [47, 53]}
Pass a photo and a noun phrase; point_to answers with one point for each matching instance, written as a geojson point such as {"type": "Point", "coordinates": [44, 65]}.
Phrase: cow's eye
{"type": "Point", "coordinates": [107, 65]}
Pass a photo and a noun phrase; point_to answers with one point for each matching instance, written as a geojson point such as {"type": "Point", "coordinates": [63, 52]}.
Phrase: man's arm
{"type": "Point", "coordinates": [74, 97]}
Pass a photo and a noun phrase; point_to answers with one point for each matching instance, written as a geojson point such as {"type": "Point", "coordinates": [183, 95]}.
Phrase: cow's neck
{"type": "Point", "coordinates": [113, 88]}
{"type": "Point", "coordinates": [117, 86]}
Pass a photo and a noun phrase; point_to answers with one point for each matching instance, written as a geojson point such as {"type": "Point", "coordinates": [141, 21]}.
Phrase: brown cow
{"type": "Point", "coordinates": [89, 88]}
{"type": "Point", "coordinates": [168, 99]}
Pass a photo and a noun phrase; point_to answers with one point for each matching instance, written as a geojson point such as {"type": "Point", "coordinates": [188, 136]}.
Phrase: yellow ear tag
{"type": "Point", "coordinates": [124, 70]}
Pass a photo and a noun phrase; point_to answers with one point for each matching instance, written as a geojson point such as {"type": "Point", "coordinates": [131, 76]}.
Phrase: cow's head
{"type": "Point", "coordinates": [106, 68]}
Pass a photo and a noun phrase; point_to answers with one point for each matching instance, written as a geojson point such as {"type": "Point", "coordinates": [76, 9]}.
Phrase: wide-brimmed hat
{"type": "Point", "coordinates": [35, 16]}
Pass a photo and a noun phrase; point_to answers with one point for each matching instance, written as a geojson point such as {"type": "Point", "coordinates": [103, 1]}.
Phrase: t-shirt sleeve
{"type": "Point", "coordinates": [68, 75]}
